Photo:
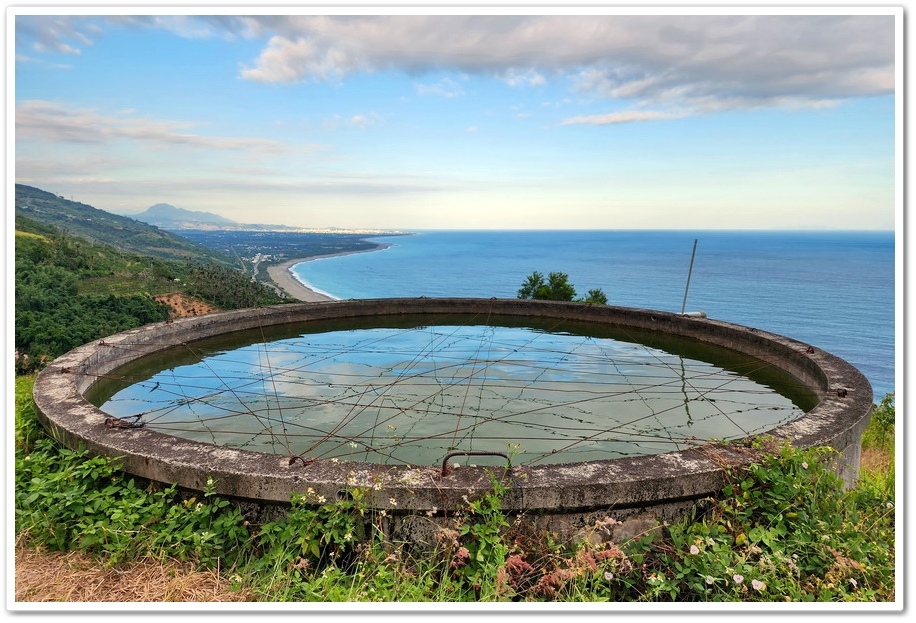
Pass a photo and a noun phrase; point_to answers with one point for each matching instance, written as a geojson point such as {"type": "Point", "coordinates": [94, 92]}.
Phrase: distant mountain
{"type": "Point", "coordinates": [169, 217]}
{"type": "Point", "coordinates": [175, 219]}
{"type": "Point", "coordinates": [121, 232]}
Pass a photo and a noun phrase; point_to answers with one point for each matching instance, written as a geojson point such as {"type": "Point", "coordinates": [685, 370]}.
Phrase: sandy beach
{"type": "Point", "coordinates": [281, 275]}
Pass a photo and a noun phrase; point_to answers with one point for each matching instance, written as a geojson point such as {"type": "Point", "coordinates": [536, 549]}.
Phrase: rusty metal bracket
{"type": "Point", "coordinates": [305, 462]}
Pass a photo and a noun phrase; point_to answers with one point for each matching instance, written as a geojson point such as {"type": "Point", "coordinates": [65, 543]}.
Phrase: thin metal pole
{"type": "Point", "coordinates": [689, 272]}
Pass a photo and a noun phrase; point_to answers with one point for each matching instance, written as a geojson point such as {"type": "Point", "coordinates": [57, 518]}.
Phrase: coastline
{"type": "Point", "coordinates": [282, 275]}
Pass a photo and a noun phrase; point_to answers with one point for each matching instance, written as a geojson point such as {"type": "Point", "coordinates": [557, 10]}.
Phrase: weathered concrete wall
{"type": "Point", "coordinates": [661, 485]}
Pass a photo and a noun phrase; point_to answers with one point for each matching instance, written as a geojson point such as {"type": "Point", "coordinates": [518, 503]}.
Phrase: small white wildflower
{"type": "Point", "coordinates": [804, 464]}
{"type": "Point", "coordinates": [738, 578]}
{"type": "Point", "coordinates": [694, 550]}
{"type": "Point", "coordinates": [890, 505]}
{"type": "Point", "coordinates": [853, 582]}
{"type": "Point", "coordinates": [352, 444]}
{"type": "Point", "coordinates": [710, 579]}
{"type": "Point", "coordinates": [349, 537]}
{"type": "Point", "coordinates": [608, 576]}
{"type": "Point", "coordinates": [393, 501]}
{"type": "Point", "coordinates": [309, 491]}
{"type": "Point", "coordinates": [335, 460]}
{"type": "Point", "coordinates": [322, 499]}
{"type": "Point", "coordinates": [758, 585]}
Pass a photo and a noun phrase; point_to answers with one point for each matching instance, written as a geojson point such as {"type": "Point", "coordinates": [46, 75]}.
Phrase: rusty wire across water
{"type": "Point", "coordinates": [471, 377]}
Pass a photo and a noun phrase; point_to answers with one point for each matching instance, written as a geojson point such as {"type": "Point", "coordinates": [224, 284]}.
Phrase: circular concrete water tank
{"type": "Point", "coordinates": [662, 485]}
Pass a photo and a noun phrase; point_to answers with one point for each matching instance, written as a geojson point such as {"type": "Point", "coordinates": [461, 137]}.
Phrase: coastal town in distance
{"type": "Point", "coordinates": [259, 246]}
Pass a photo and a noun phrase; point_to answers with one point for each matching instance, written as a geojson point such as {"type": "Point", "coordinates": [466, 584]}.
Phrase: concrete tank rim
{"type": "Point", "coordinates": [845, 403]}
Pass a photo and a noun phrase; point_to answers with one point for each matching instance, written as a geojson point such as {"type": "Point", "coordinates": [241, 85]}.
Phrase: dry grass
{"type": "Point", "coordinates": [876, 460]}
{"type": "Point", "coordinates": [76, 577]}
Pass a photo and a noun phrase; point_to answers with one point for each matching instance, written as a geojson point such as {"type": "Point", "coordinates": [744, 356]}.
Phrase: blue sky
{"type": "Point", "coordinates": [419, 120]}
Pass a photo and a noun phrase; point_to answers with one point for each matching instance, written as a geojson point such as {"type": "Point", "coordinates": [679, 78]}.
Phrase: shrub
{"type": "Point", "coordinates": [783, 530]}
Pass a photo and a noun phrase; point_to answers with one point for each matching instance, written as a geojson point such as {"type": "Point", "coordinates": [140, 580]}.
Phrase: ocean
{"type": "Point", "coordinates": [834, 290]}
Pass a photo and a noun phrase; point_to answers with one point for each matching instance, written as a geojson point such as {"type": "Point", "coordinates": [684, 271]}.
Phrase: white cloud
{"type": "Point", "coordinates": [54, 34]}
{"type": "Point", "coordinates": [629, 116]}
{"type": "Point", "coordinates": [688, 59]}
{"type": "Point", "coordinates": [516, 78]}
{"type": "Point", "coordinates": [687, 62]}
{"type": "Point", "coordinates": [337, 121]}
{"type": "Point", "coordinates": [364, 121]}
{"type": "Point", "coordinates": [446, 88]}
{"type": "Point", "coordinates": [22, 58]}
{"type": "Point", "coordinates": [291, 61]}
{"type": "Point", "coordinates": [60, 47]}
{"type": "Point", "coordinates": [50, 121]}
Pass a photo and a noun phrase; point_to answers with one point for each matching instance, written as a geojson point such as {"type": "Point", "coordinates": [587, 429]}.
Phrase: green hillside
{"type": "Point", "coordinates": [70, 291]}
{"type": "Point", "coordinates": [121, 232]}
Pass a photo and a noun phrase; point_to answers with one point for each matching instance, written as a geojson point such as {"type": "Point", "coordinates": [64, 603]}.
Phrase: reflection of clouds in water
{"type": "Point", "coordinates": [413, 395]}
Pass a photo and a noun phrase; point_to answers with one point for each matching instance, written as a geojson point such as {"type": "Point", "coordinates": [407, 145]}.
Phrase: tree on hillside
{"type": "Point", "coordinates": [556, 288]}
{"type": "Point", "coordinates": [596, 296]}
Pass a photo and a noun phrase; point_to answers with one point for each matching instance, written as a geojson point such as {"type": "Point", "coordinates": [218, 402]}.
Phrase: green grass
{"type": "Point", "coordinates": [784, 530]}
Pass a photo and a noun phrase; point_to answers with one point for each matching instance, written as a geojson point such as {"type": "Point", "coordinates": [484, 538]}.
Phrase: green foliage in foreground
{"type": "Point", "coordinates": [557, 288]}
{"type": "Point", "coordinates": [784, 530]}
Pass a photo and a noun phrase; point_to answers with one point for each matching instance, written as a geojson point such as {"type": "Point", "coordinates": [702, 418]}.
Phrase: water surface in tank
{"type": "Point", "coordinates": [413, 389]}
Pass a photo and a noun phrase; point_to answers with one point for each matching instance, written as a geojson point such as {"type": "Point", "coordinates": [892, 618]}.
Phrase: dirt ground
{"type": "Point", "coordinates": [183, 306]}
{"type": "Point", "coordinates": [76, 577]}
